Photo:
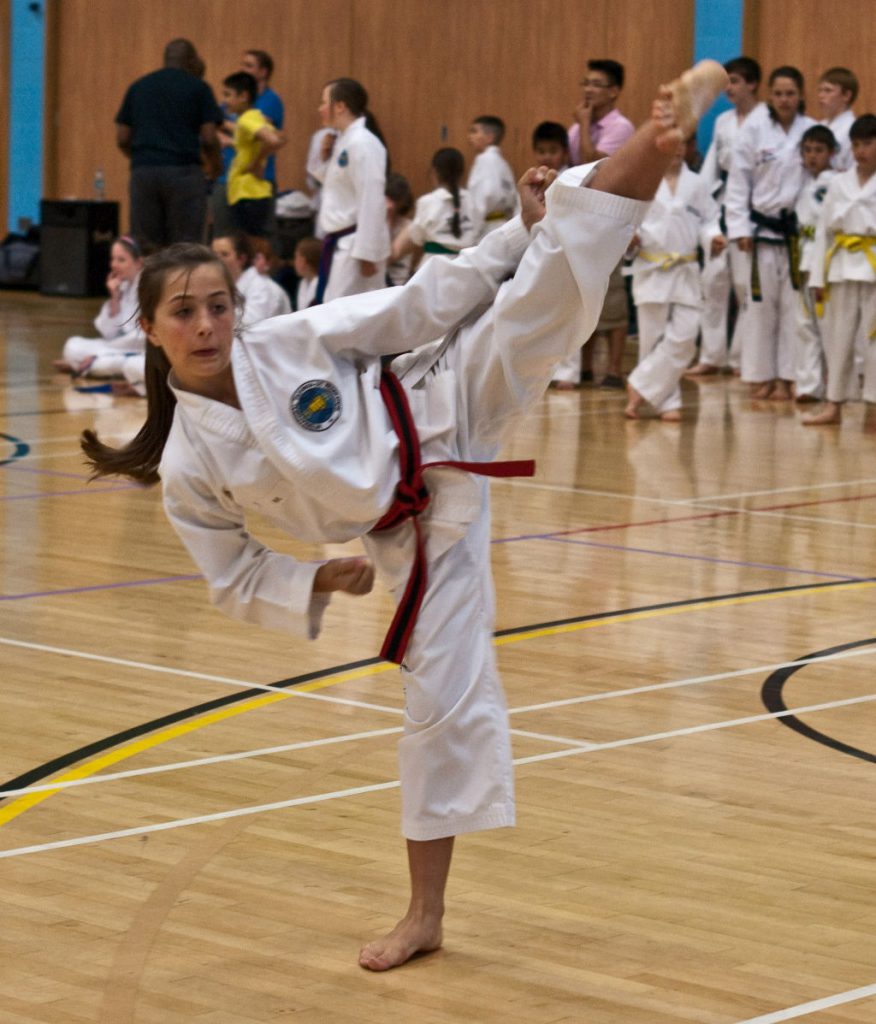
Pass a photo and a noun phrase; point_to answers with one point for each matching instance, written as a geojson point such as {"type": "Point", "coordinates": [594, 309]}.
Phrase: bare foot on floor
{"type": "Point", "coordinates": [829, 415]}
{"type": "Point", "coordinates": [702, 370]}
{"type": "Point", "coordinates": [62, 366]}
{"type": "Point", "coordinates": [634, 400]}
{"type": "Point", "coordinates": [409, 937]}
{"type": "Point", "coordinates": [671, 416]}
{"type": "Point", "coordinates": [762, 391]}
{"type": "Point", "coordinates": [781, 392]}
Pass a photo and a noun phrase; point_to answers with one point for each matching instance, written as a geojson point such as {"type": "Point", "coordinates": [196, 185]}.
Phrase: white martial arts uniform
{"type": "Point", "coordinates": [120, 335]}
{"type": "Point", "coordinates": [849, 208]}
{"type": "Point", "coordinates": [433, 218]}
{"type": "Point", "coordinates": [810, 350]}
{"type": "Point", "coordinates": [305, 292]}
{"type": "Point", "coordinates": [262, 297]}
{"type": "Point", "coordinates": [766, 175]}
{"type": "Point", "coordinates": [841, 126]}
{"type": "Point", "coordinates": [667, 288]}
{"type": "Point", "coordinates": [312, 448]}
{"type": "Point", "coordinates": [493, 190]}
{"type": "Point", "coordinates": [353, 196]}
{"type": "Point", "coordinates": [730, 269]}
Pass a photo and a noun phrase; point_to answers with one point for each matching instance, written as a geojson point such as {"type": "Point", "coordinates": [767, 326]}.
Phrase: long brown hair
{"type": "Point", "coordinates": [140, 458]}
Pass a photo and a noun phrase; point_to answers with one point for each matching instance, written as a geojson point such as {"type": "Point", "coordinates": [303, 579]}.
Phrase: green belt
{"type": "Point", "coordinates": [437, 249]}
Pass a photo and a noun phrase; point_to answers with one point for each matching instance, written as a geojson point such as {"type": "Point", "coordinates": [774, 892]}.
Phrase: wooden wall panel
{"type": "Point", "coordinates": [425, 64]}
{"type": "Point", "coordinates": [814, 36]}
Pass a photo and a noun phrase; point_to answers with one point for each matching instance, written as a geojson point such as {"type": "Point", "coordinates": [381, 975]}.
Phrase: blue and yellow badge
{"type": "Point", "coordinates": [343, 159]}
{"type": "Point", "coordinates": [316, 405]}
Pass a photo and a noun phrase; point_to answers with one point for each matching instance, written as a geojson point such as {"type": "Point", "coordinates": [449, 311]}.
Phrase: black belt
{"type": "Point", "coordinates": [412, 498]}
{"type": "Point", "coordinates": [785, 225]}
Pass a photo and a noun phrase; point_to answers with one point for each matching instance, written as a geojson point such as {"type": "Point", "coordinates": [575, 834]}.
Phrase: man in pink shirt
{"type": "Point", "coordinates": [599, 130]}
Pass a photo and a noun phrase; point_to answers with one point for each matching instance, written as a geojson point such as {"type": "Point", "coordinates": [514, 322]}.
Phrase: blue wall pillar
{"type": "Point", "coordinates": [717, 34]}
{"type": "Point", "coordinates": [26, 104]}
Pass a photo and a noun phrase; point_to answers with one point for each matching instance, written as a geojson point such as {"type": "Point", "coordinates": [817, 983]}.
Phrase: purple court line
{"type": "Point", "coordinates": [64, 494]}
{"type": "Point", "coordinates": [100, 586]}
{"type": "Point", "coordinates": [12, 467]}
{"type": "Point", "coordinates": [702, 558]}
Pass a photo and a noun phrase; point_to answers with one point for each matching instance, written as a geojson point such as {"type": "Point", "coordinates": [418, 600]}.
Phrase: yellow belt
{"type": "Point", "coordinates": [497, 215]}
{"type": "Point", "coordinates": [667, 260]}
{"type": "Point", "coordinates": [807, 231]}
{"type": "Point", "coordinates": [851, 243]}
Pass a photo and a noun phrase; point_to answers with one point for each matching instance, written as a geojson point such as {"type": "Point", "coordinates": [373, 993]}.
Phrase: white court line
{"type": "Point", "coordinates": [351, 737]}
{"type": "Point", "coordinates": [804, 1009]}
{"type": "Point", "coordinates": [786, 490]}
{"type": "Point", "coordinates": [201, 762]}
{"type": "Point", "coordinates": [224, 680]}
{"type": "Point", "coordinates": [691, 681]}
{"type": "Point", "coordinates": [379, 786]}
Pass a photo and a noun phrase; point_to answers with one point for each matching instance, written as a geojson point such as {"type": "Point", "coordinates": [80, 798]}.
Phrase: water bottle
{"type": "Point", "coordinates": [99, 185]}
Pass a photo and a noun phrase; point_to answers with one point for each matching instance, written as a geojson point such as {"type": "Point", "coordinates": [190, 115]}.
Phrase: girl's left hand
{"type": "Point", "coordinates": [351, 575]}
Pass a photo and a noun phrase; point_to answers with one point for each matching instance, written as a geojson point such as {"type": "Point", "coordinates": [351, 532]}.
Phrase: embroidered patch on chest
{"type": "Point", "coordinates": [343, 159]}
{"type": "Point", "coordinates": [316, 405]}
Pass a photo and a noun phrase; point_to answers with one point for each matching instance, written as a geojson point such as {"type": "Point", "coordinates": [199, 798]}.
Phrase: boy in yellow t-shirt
{"type": "Point", "coordinates": [249, 195]}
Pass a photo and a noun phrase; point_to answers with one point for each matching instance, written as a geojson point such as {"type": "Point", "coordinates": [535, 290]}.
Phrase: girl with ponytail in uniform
{"type": "Point", "coordinates": [444, 220]}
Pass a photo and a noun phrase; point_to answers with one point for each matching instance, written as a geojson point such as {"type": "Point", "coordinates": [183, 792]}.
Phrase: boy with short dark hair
{"type": "Point", "coordinates": [817, 148]}
{"type": "Point", "coordinates": [844, 259]}
{"type": "Point", "coordinates": [250, 195]}
{"type": "Point", "coordinates": [550, 145]}
{"type": "Point", "coordinates": [491, 182]}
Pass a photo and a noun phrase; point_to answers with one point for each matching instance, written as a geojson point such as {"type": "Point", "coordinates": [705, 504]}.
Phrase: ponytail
{"type": "Point", "coordinates": [139, 459]}
{"type": "Point", "coordinates": [449, 167]}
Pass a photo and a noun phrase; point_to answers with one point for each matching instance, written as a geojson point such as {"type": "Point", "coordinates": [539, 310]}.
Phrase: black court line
{"type": "Point", "coordinates": [57, 764]}
{"type": "Point", "coordinates": [773, 697]}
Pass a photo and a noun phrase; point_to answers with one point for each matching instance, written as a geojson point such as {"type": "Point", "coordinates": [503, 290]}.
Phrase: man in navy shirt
{"type": "Point", "coordinates": [166, 124]}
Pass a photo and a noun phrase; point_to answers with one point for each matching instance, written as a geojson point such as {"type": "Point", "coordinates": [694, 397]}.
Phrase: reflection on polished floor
{"type": "Point", "coordinates": [695, 805]}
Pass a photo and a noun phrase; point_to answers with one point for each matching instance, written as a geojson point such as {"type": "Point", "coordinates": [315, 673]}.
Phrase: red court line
{"type": "Point", "coordinates": [710, 515]}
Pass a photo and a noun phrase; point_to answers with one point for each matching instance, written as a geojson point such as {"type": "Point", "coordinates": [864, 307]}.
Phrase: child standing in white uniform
{"type": "Point", "coordinates": [818, 147]}
{"type": "Point", "coordinates": [491, 182]}
{"type": "Point", "coordinates": [844, 259]}
{"type": "Point", "coordinates": [444, 219]}
{"type": "Point", "coordinates": [765, 180]}
{"type": "Point", "coordinates": [352, 210]}
{"type": "Point", "coordinates": [667, 289]}
{"type": "Point", "coordinates": [292, 419]}
{"type": "Point", "coordinates": [731, 268]}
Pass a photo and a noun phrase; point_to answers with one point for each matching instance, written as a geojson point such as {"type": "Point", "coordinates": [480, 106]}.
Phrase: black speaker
{"type": "Point", "coordinates": [75, 240]}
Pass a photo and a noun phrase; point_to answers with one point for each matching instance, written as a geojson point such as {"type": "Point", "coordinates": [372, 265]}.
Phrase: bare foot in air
{"type": "Point", "coordinates": [702, 370]}
{"type": "Point", "coordinates": [409, 937]}
{"type": "Point", "coordinates": [62, 366]}
{"type": "Point", "coordinates": [683, 102]}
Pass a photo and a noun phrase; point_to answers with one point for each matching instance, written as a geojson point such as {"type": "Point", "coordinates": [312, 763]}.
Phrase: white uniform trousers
{"type": "Point", "coordinates": [345, 277]}
{"type": "Point", "coordinates": [455, 756]}
{"type": "Point", "coordinates": [810, 350]}
{"type": "Point", "coordinates": [109, 356]}
{"type": "Point", "coordinates": [720, 275]}
{"type": "Point", "coordinates": [849, 312]}
{"type": "Point", "coordinates": [667, 340]}
{"type": "Point", "coordinates": [769, 341]}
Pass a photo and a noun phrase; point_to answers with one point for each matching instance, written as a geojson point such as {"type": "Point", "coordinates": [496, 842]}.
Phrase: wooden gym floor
{"type": "Point", "coordinates": [203, 823]}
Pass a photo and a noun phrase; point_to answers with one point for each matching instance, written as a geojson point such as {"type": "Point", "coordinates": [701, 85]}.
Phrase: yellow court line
{"type": "Point", "coordinates": [24, 803]}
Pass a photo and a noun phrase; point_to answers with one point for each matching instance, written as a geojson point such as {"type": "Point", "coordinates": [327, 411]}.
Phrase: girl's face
{"type": "Point", "coordinates": [122, 264]}
{"type": "Point", "coordinates": [194, 324]}
{"type": "Point", "coordinates": [785, 99]}
{"type": "Point", "coordinates": [224, 249]}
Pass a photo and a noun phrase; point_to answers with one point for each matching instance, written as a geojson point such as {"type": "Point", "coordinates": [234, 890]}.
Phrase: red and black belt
{"type": "Point", "coordinates": [411, 498]}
